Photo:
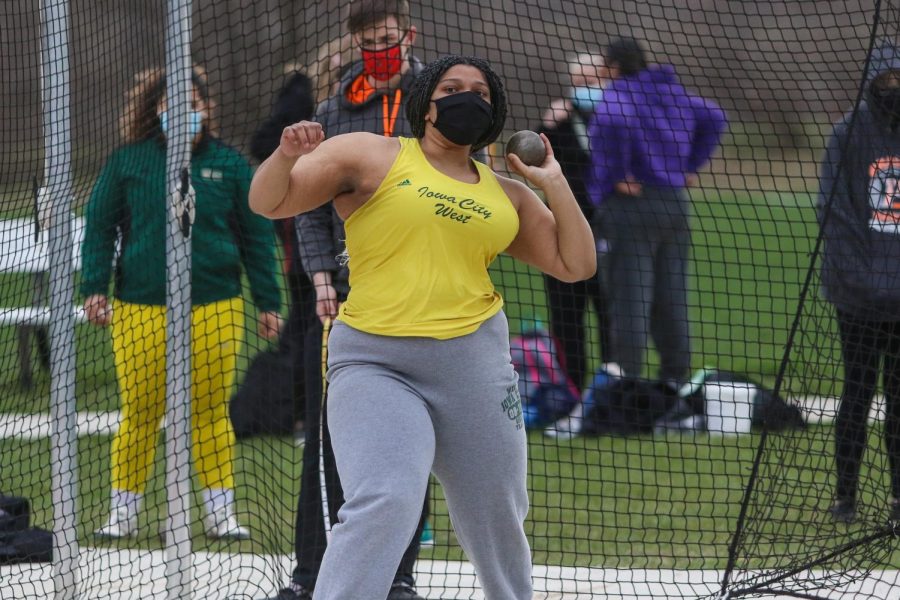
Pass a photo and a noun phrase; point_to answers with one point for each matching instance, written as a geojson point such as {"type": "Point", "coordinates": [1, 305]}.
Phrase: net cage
{"type": "Point", "coordinates": [714, 414]}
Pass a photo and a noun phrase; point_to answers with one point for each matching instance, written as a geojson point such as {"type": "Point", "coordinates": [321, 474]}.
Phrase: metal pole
{"type": "Point", "coordinates": [179, 576]}
{"type": "Point", "coordinates": [58, 182]}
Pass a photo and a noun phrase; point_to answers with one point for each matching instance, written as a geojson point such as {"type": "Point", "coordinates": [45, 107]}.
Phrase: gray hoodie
{"type": "Point", "coordinates": [859, 206]}
{"type": "Point", "coordinates": [321, 231]}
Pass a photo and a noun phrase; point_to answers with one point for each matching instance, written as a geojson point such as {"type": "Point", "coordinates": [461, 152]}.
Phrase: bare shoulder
{"type": "Point", "coordinates": [360, 141]}
{"type": "Point", "coordinates": [374, 152]}
{"type": "Point", "coordinates": [355, 151]}
{"type": "Point", "coordinates": [368, 157]}
{"type": "Point", "coordinates": [517, 191]}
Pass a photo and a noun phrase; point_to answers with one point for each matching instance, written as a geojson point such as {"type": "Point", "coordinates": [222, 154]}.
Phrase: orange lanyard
{"type": "Point", "coordinates": [388, 121]}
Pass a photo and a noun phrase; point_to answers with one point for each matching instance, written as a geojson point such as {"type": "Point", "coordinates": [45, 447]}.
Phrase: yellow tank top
{"type": "Point", "coordinates": [419, 251]}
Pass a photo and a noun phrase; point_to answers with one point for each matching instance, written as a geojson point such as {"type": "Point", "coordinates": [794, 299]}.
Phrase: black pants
{"type": "Point", "coordinates": [293, 335]}
{"type": "Point", "coordinates": [309, 535]}
{"type": "Point", "coordinates": [864, 344]}
{"type": "Point", "coordinates": [568, 304]}
{"type": "Point", "coordinates": [647, 275]}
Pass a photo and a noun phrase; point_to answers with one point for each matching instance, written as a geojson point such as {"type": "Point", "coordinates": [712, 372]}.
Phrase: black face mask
{"type": "Point", "coordinates": [463, 118]}
{"type": "Point", "coordinates": [888, 101]}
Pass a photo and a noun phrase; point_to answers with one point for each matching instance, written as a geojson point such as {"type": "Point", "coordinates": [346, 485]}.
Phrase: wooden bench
{"type": "Point", "coordinates": [23, 250]}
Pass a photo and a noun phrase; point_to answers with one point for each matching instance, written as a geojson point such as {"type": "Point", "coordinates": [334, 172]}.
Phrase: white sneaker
{"type": "Point", "coordinates": [564, 429]}
{"type": "Point", "coordinates": [223, 525]}
{"type": "Point", "coordinates": [121, 524]}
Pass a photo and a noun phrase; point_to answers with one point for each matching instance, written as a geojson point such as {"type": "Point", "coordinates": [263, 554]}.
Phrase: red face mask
{"type": "Point", "coordinates": [383, 64]}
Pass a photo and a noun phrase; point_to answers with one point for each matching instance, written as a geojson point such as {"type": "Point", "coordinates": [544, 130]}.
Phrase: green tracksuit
{"type": "Point", "coordinates": [130, 198]}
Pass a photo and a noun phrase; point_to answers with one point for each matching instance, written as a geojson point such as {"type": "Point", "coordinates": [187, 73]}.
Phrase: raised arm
{"type": "Point", "coordinates": [307, 171]}
{"type": "Point", "coordinates": [558, 240]}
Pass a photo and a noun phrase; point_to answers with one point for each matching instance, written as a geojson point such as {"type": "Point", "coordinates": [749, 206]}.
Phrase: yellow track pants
{"type": "Point", "coordinates": [139, 343]}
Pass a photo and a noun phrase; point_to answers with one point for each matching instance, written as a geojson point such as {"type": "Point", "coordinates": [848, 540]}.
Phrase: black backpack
{"type": "Point", "coordinates": [772, 412]}
{"type": "Point", "coordinates": [20, 543]}
{"type": "Point", "coordinates": [264, 403]}
{"type": "Point", "coordinates": [627, 406]}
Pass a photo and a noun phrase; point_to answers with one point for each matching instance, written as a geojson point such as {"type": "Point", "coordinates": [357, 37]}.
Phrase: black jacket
{"type": "Point", "coordinates": [295, 102]}
{"type": "Point", "coordinates": [859, 206]}
{"type": "Point", "coordinates": [571, 147]}
{"type": "Point", "coordinates": [321, 231]}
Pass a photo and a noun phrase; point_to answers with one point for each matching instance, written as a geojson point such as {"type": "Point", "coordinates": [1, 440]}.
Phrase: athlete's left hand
{"type": "Point", "coordinates": [269, 325]}
{"type": "Point", "coordinates": [540, 175]}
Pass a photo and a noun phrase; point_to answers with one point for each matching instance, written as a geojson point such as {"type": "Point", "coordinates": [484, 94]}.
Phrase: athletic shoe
{"type": "Point", "coordinates": [403, 591]}
{"type": "Point", "coordinates": [843, 511]}
{"type": "Point", "coordinates": [564, 429]}
{"type": "Point", "coordinates": [121, 524]}
{"type": "Point", "coordinates": [294, 591]}
{"type": "Point", "coordinates": [427, 537]}
{"type": "Point", "coordinates": [223, 525]}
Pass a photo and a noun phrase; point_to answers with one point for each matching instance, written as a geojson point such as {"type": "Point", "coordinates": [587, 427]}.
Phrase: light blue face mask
{"type": "Point", "coordinates": [586, 98]}
{"type": "Point", "coordinates": [194, 127]}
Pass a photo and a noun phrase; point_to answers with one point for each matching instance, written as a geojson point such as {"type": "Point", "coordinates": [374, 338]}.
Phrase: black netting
{"type": "Point", "coordinates": [695, 413]}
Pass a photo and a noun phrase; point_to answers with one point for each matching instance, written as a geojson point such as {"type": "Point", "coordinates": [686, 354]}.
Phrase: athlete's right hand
{"type": "Point", "coordinates": [301, 138]}
{"type": "Point", "coordinates": [97, 309]}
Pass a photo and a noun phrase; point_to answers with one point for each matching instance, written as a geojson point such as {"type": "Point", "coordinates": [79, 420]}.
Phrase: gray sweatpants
{"type": "Point", "coordinates": [401, 408]}
{"type": "Point", "coordinates": [647, 270]}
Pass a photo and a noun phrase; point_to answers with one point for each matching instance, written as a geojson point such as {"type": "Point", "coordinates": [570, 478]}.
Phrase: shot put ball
{"type": "Point", "coordinates": [528, 146]}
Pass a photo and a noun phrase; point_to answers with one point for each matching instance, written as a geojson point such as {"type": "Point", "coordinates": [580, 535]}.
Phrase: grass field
{"type": "Point", "coordinates": [750, 256]}
{"type": "Point", "coordinates": [667, 502]}
{"type": "Point", "coordinates": [643, 502]}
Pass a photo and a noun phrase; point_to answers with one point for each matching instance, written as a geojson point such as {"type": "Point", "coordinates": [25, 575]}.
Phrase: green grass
{"type": "Point", "coordinates": [674, 501]}
{"type": "Point", "coordinates": [639, 502]}
{"type": "Point", "coordinates": [750, 256]}
{"type": "Point", "coordinates": [267, 470]}
{"type": "Point", "coordinates": [614, 502]}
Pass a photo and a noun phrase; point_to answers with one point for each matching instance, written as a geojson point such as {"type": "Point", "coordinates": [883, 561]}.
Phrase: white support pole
{"type": "Point", "coordinates": [55, 96]}
{"type": "Point", "coordinates": [179, 575]}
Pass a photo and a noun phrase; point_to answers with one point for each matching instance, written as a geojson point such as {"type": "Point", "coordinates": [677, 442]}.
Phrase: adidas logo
{"type": "Point", "coordinates": [404, 183]}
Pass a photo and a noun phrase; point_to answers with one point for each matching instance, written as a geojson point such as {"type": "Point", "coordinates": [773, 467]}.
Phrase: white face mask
{"type": "Point", "coordinates": [195, 124]}
{"type": "Point", "coordinates": [586, 98]}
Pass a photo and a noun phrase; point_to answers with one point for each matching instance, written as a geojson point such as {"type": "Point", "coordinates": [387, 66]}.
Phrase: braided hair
{"type": "Point", "coordinates": [419, 99]}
